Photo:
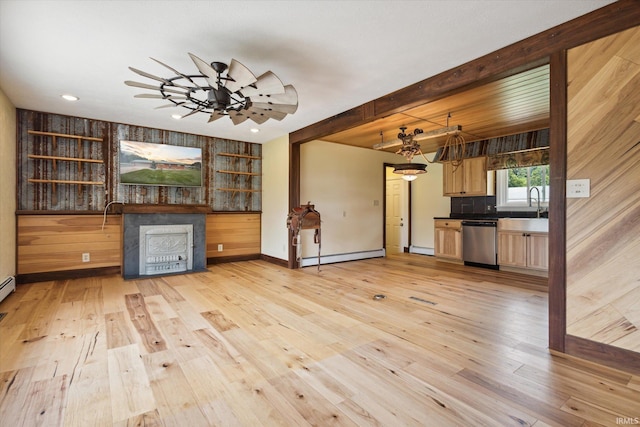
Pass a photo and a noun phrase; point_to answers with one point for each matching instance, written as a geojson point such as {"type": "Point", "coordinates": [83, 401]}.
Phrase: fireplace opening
{"type": "Point", "coordinates": [165, 249]}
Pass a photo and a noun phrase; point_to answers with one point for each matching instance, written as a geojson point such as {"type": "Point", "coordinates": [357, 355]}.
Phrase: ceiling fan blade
{"type": "Point", "coordinates": [237, 118]}
{"type": "Point", "coordinates": [178, 73]}
{"type": "Point", "coordinates": [169, 105]}
{"type": "Point", "coordinates": [290, 97]}
{"type": "Point", "coordinates": [267, 84]}
{"type": "Point", "coordinates": [147, 75]}
{"type": "Point", "coordinates": [148, 86]}
{"type": "Point", "coordinates": [206, 69]}
{"type": "Point", "coordinates": [259, 118]}
{"type": "Point", "coordinates": [282, 108]}
{"type": "Point", "coordinates": [215, 116]}
{"type": "Point", "coordinates": [158, 96]}
{"type": "Point", "coordinates": [241, 76]}
{"type": "Point", "coordinates": [270, 114]}
{"type": "Point", "coordinates": [197, 110]}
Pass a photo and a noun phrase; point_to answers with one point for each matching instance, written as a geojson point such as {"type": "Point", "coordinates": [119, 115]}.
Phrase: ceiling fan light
{"type": "Point", "coordinates": [409, 177]}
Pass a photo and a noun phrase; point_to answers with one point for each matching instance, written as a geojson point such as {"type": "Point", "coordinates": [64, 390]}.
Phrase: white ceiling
{"type": "Point", "coordinates": [337, 54]}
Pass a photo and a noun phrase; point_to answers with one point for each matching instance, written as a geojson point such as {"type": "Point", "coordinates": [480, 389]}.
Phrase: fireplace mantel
{"type": "Point", "coordinates": [154, 209]}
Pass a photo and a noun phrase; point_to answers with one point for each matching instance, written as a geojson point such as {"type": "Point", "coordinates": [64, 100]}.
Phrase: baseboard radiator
{"type": "Point", "coordinates": [353, 256]}
{"type": "Point", "coordinates": [7, 286]}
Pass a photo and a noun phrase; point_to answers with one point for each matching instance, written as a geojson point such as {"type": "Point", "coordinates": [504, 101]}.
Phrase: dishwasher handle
{"type": "Point", "coordinates": [479, 223]}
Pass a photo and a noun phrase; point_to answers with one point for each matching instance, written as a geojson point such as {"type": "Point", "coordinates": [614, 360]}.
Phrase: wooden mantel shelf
{"type": "Point", "coordinates": [151, 209]}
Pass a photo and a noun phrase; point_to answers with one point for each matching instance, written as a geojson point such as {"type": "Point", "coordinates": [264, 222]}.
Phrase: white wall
{"type": "Point", "coordinates": [7, 187]}
{"type": "Point", "coordinates": [427, 202]}
{"type": "Point", "coordinates": [275, 198]}
{"type": "Point", "coordinates": [346, 186]}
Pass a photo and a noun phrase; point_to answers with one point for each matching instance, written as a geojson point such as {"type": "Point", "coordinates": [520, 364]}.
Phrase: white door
{"type": "Point", "coordinates": [396, 221]}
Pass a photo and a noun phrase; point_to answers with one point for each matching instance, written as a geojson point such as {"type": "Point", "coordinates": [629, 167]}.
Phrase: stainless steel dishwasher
{"type": "Point", "coordinates": [480, 243]}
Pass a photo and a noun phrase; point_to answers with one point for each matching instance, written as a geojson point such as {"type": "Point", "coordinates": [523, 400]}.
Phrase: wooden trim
{"type": "Point", "coordinates": [604, 354]}
{"type": "Point", "coordinates": [294, 195]}
{"type": "Point", "coordinates": [273, 260]}
{"type": "Point", "coordinates": [152, 209]}
{"type": "Point", "coordinates": [557, 202]}
{"type": "Point", "coordinates": [235, 258]}
{"type": "Point", "coordinates": [528, 53]}
{"type": "Point", "coordinates": [66, 274]}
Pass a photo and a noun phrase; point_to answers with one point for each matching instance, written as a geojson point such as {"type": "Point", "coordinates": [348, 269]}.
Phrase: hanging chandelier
{"type": "Point", "coordinates": [452, 151]}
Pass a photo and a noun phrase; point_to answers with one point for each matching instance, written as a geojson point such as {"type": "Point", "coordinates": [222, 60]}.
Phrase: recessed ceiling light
{"type": "Point", "coordinates": [254, 130]}
{"type": "Point", "coordinates": [176, 116]}
{"type": "Point", "coordinates": [69, 97]}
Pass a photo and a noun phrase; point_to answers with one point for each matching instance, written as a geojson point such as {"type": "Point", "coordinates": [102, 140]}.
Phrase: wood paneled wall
{"type": "Point", "coordinates": [49, 243]}
{"type": "Point", "coordinates": [239, 235]}
{"type": "Point", "coordinates": [603, 244]}
{"type": "Point", "coordinates": [38, 197]}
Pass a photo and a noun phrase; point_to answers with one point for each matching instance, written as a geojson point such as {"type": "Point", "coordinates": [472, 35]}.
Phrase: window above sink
{"type": "Point", "coordinates": [523, 189]}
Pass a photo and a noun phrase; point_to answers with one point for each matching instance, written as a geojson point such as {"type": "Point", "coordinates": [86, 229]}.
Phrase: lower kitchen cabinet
{"type": "Point", "coordinates": [448, 239]}
{"type": "Point", "coordinates": [523, 250]}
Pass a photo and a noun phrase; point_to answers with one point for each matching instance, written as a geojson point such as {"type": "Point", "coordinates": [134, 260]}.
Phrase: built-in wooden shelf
{"type": "Point", "coordinates": [64, 181]}
{"type": "Point", "coordinates": [69, 159]}
{"type": "Point", "coordinates": [239, 173]}
{"type": "Point", "coordinates": [242, 156]}
{"type": "Point", "coordinates": [64, 135]}
{"type": "Point", "coordinates": [242, 190]}
{"type": "Point", "coordinates": [54, 159]}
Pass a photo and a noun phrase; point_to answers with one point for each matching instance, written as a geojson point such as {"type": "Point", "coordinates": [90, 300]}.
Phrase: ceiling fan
{"type": "Point", "coordinates": [237, 94]}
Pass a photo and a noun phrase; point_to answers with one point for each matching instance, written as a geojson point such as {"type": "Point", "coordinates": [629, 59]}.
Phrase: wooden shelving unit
{"type": "Point", "coordinates": [55, 159]}
{"type": "Point", "coordinates": [241, 179]}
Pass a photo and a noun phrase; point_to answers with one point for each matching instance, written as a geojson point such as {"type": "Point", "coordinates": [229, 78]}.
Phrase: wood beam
{"type": "Point", "coordinates": [529, 53]}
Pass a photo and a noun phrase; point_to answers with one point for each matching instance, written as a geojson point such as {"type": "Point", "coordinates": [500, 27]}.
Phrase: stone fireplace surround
{"type": "Point", "coordinates": [131, 223]}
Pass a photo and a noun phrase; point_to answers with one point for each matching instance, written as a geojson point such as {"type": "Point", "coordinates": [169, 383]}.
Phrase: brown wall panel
{"type": "Point", "coordinates": [56, 242]}
{"type": "Point", "coordinates": [239, 234]}
{"type": "Point", "coordinates": [603, 248]}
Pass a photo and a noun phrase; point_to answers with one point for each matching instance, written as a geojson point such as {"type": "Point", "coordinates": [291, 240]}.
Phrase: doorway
{"type": "Point", "coordinates": [396, 212]}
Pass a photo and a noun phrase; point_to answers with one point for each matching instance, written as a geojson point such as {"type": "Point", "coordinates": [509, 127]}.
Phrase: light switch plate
{"type": "Point", "coordinates": [578, 188]}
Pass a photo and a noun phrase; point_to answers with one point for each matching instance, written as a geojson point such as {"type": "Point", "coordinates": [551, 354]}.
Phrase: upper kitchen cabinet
{"type": "Point", "coordinates": [469, 179]}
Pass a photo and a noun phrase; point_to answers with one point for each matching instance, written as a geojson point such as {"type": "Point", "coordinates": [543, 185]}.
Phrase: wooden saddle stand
{"type": "Point", "coordinates": [304, 217]}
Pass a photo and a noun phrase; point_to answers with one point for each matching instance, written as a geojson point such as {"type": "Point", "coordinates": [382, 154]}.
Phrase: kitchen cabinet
{"type": "Point", "coordinates": [469, 179]}
{"type": "Point", "coordinates": [448, 239]}
{"type": "Point", "coordinates": [523, 244]}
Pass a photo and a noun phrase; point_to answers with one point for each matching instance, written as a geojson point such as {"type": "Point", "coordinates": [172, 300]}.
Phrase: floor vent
{"type": "Point", "coordinates": [424, 300]}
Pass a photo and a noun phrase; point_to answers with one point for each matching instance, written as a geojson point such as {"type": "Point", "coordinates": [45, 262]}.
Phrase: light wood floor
{"type": "Point", "coordinates": [252, 344]}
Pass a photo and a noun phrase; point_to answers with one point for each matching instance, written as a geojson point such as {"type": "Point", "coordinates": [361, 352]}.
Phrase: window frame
{"type": "Point", "coordinates": [502, 188]}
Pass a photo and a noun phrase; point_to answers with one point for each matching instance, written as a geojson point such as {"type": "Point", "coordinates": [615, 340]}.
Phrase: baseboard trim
{"type": "Point", "coordinates": [233, 258]}
{"type": "Point", "coordinates": [66, 274]}
{"type": "Point", "coordinates": [332, 259]}
{"type": "Point", "coordinates": [603, 354]}
{"type": "Point", "coordinates": [273, 260]}
{"type": "Point", "coordinates": [421, 250]}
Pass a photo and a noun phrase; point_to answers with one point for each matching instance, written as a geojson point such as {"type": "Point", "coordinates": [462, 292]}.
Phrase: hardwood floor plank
{"type": "Point", "coordinates": [174, 397]}
{"type": "Point", "coordinates": [130, 390]}
{"type": "Point", "coordinates": [119, 331]}
{"type": "Point", "coordinates": [89, 398]}
{"type": "Point", "coordinates": [149, 335]}
{"type": "Point", "coordinates": [255, 344]}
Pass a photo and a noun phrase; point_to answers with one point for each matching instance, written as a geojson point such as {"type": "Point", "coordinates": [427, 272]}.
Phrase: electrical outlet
{"type": "Point", "coordinates": [86, 257]}
{"type": "Point", "coordinates": [220, 247]}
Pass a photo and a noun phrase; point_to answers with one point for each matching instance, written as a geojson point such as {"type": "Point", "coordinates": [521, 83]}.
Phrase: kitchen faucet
{"type": "Point", "coordinates": [538, 199]}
